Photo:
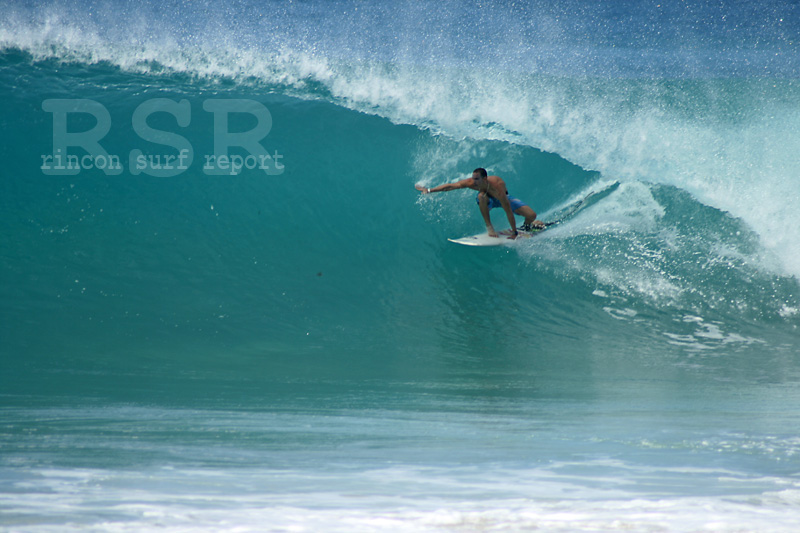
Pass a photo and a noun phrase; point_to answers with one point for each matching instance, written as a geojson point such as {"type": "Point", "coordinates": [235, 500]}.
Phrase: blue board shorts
{"type": "Point", "coordinates": [516, 203]}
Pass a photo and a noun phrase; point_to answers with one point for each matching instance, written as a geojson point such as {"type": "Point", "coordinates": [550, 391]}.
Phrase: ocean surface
{"type": "Point", "coordinates": [295, 346]}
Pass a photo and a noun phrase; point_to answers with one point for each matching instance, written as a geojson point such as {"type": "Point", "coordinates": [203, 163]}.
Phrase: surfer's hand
{"type": "Point", "coordinates": [492, 232]}
{"type": "Point", "coordinates": [513, 235]}
{"type": "Point", "coordinates": [423, 190]}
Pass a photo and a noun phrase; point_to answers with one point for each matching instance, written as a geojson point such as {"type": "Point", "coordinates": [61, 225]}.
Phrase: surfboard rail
{"type": "Point", "coordinates": [483, 239]}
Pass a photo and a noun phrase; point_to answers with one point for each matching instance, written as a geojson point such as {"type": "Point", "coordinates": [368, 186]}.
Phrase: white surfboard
{"type": "Point", "coordinates": [483, 239]}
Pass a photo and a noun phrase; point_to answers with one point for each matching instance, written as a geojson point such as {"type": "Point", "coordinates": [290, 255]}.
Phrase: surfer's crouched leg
{"type": "Point", "coordinates": [516, 203]}
{"type": "Point", "coordinates": [491, 201]}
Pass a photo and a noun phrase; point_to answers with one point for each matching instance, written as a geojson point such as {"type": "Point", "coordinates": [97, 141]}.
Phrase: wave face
{"type": "Point", "coordinates": [329, 285]}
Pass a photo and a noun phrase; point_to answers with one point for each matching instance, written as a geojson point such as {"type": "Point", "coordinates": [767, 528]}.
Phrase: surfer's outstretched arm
{"type": "Point", "coordinates": [463, 184]}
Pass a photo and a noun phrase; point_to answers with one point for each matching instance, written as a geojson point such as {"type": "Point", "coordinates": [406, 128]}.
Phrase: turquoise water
{"type": "Point", "coordinates": [305, 351]}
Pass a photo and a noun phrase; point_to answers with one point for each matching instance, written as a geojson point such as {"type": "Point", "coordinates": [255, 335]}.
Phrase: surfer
{"type": "Point", "coordinates": [492, 193]}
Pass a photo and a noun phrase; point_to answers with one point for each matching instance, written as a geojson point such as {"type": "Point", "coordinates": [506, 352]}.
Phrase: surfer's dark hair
{"type": "Point", "coordinates": [481, 171]}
